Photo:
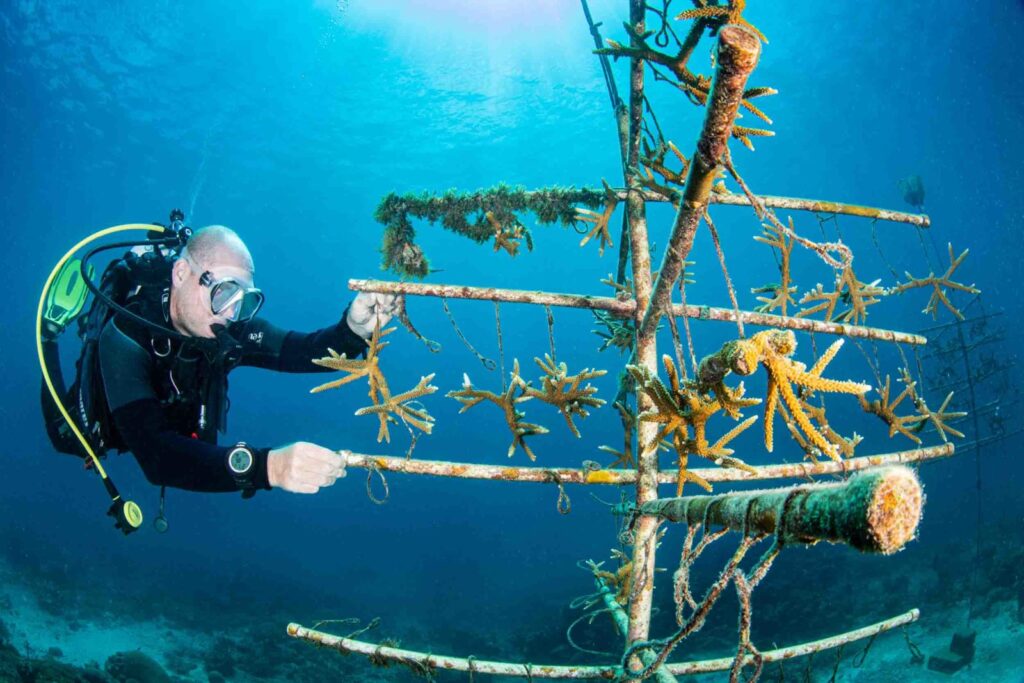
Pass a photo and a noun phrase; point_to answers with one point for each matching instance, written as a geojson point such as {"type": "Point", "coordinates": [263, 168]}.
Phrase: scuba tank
{"type": "Point", "coordinates": [77, 419]}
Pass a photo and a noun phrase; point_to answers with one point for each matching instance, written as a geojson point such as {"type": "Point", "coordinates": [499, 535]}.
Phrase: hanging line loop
{"type": "Point", "coordinates": [551, 330]}
{"type": "Point", "coordinates": [403, 317]}
{"type": "Point", "coordinates": [487, 362]}
{"type": "Point", "coordinates": [371, 469]}
{"type": "Point", "coordinates": [858, 661]}
{"type": "Point", "coordinates": [563, 504]}
{"type": "Point", "coordinates": [501, 344]}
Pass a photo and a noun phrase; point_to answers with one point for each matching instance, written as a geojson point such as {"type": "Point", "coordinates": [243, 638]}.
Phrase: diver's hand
{"type": "Point", "coordinates": [367, 308]}
{"type": "Point", "coordinates": [304, 467]}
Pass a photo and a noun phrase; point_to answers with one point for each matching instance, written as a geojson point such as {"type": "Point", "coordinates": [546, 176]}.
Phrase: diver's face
{"type": "Point", "coordinates": [190, 306]}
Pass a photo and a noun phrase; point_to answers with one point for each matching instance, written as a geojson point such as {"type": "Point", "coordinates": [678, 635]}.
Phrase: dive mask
{"type": "Point", "coordinates": [230, 299]}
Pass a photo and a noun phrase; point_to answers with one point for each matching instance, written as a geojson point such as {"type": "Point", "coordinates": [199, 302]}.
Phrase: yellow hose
{"type": "Point", "coordinates": [58, 400]}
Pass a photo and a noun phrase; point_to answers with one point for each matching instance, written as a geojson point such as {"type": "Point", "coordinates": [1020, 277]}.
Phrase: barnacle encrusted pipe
{"type": "Point", "coordinates": [738, 52]}
{"type": "Point", "coordinates": [593, 474]}
{"type": "Point", "coordinates": [877, 511]}
{"type": "Point", "coordinates": [824, 206]}
{"type": "Point", "coordinates": [426, 662]}
{"type": "Point", "coordinates": [623, 308]}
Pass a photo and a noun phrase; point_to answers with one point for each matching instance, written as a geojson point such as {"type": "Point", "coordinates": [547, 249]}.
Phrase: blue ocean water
{"type": "Point", "coordinates": [289, 121]}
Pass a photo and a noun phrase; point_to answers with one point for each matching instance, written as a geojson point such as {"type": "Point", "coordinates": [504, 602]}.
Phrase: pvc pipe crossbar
{"type": "Point", "coordinates": [625, 308]}
{"type": "Point", "coordinates": [798, 204]}
{"type": "Point", "coordinates": [606, 671]}
{"type": "Point", "coordinates": [565, 475]}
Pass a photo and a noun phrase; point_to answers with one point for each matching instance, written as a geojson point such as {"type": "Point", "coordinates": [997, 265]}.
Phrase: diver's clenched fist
{"type": "Point", "coordinates": [304, 467]}
{"type": "Point", "coordinates": [370, 307]}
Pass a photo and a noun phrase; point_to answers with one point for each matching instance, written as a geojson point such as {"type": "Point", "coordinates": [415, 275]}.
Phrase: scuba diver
{"type": "Point", "coordinates": [912, 189]}
{"type": "Point", "coordinates": [152, 378]}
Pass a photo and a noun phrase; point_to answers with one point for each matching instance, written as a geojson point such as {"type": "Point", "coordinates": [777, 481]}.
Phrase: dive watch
{"type": "Point", "coordinates": [242, 466]}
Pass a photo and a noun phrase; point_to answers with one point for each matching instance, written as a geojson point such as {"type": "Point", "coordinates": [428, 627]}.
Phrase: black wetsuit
{"type": "Point", "coordinates": [153, 390]}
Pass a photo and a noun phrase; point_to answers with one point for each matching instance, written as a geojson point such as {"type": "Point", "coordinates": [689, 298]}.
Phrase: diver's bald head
{"type": "Point", "coordinates": [215, 252]}
{"type": "Point", "coordinates": [218, 245]}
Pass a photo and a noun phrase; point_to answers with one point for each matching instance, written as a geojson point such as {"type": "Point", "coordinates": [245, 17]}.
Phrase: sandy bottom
{"type": "Point", "coordinates": [34, 631]}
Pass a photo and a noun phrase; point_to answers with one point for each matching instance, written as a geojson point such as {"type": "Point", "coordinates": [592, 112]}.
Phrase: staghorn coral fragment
{"type": "Point", "coordinates": [564, 391]}
{"type": "Point", "coordinates": [600, 220]}
{"type": "Point", "coordinates": [847, 446]}
{"type": "Point", "coordinates": [939, 285]}
{"type": "Point", "coordinates": [783, 372]}
{"type": "Point", "coordinates": [680, 407]}
{"type": "Point", "coordinates": [653, 161]}
{"type": "Point", "coordinates": [623, 290]}
{"type": "Point", "coordinates": [508, 236]}
{"type": "Point", "coordinates": [386, 407]}
{"type": "Point", "coordinates": [695, 86]}
{"type": "Point", "coordinates": [751, 93]}
{"type": "Point", "coordinates": [779, 296]}
{"type": "Point", "coordinates": [782, 291]}
{"type": "Point", "coordinates": [731, 13]}
{"type": "Point", "coordinates": [885, 408]}
{"type": "Point", "coordinates": [507, 401]}
{"type": "Point", "coordinates": [772, 349]}
{"type": "Point", "coordinates": [368, 367]}
{"type": "Point", "coordinates": [646, 179]}
{"type": "Point", "coordinates": [618, 333]}
{"type": "Point", "coordinates": [398, 408]}
{"type": "Point", "coordinates": [704, 13]}
{"type": "Point", "coordinates": [849, 290]}
{"type": "Point", "coordinates": [939, 417]}
{"type": "Point", "coordinates": [753, 109]}
{"type": "Point", "coordinates": [743, 134]}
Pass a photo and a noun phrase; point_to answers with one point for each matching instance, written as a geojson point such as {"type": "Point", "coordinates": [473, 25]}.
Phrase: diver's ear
{"type": "Point", "coordinates": [180, 272]}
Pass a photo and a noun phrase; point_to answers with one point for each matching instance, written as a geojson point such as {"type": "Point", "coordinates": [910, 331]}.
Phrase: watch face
{"type": "Point", "coordinates": [240, 460]}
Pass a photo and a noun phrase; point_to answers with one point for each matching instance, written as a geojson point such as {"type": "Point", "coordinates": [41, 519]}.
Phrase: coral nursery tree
{"type": "Point", "coordinates": [675, 408]}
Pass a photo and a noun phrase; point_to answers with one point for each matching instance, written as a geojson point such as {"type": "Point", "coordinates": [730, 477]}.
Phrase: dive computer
{"type": "Point", "coordinates": [241, 464]}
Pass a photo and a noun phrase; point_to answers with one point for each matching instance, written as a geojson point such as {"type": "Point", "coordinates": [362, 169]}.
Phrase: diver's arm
{"type": "Point", "coordinates": [170, 459]}
{"type": "Point", "coordinates": [166, 457]}
{"type": "Point", "coordinates": [268, 346]}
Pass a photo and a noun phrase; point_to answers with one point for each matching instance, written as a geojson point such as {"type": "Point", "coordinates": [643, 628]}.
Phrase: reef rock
{"type": "Point", "coordinates": [51, 671]}
{"type": "Point", "coordinates": [135, 667]}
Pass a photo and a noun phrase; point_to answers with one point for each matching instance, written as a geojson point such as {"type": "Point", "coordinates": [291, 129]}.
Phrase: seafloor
{"type": "Point", "coordinates": [59, 626]}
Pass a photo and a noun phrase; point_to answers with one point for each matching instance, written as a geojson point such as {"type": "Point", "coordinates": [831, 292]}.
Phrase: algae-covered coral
{"type": "Point", "coordinates": [481, 216]}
